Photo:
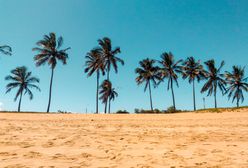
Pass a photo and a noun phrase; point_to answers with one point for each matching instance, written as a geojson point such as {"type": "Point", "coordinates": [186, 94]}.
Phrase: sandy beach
{"type": "Point", "coordinates": [143, 141]}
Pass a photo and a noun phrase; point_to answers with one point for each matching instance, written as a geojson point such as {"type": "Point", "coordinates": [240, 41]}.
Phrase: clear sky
{"type": "Point", "coordinates": [142, 28]}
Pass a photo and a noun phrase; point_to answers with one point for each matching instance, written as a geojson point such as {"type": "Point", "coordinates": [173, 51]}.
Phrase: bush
{"type": "Point", "coordinates": [122, 112]}
{"type": "Point", "coordinates": [141, 111]}
{"type": "Point", "coordinates": [171, 109]}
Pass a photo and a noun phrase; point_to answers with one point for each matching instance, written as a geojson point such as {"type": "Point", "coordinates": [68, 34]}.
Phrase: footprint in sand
{"type": "Point", "coordinates": [25, 144]}
{"type": "Point", "coordinates": [32, 154]}
{"type": "Point", "coordinates": [16, 165]}
{"type": "Point", "coordinates": [85, 155]}
{"type": "Point", "coordinates": [7, 154]}
{"type": "Point", "coordinates": [48, 144]}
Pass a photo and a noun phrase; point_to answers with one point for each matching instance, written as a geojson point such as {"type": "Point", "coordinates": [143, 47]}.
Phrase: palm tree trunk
{"type": "Point", "coordinates": [150, 92]}
{"type": "Point", "coordinates": [105, 109]}
{"type": "Point", "coordinates": [20, 101]}
{"type": "Point", "coordinates": [237, 103]}
{"type": "Point", "coordinates": [215, 100]}
{"type": "Point", "coordinates": [50, 91]}
{"type": "Point", "coordinates": [194, 93]}
{"type": "Point", "coordinates": [97, 90]}
{"type": "Point", "coordinates": [109, 106]}
{"type": "Point", "coordinates": [108, 74]}
{"type": "Point", "coordinates": [173, 97]}
{"type": "Point", "coordinates": [106, 105]}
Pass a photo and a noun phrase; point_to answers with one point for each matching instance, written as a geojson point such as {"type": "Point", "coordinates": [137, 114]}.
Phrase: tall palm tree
{"type": "Point", "coordinates": [147, 73]}
{"type": "Point", "coordinates": [237, 83]}
{"type": "Point", "coordinates": [6, 50]}
{"type": "Point", "coordinates": [23, 81]}
{"type": "Point", "coordinates": [108, 93]}
{"type": "Point", "coordinates": [192, 70]}
{"type": "Point", "coordinates": [95, 63]}
{"type": "Point", "coordinates": [50, 52]}
{"type": "Point", "coordinates": [214, 80]}
{"type": "Point", "coordinates": [169, 69]}
{"type": "Point", "coordinates": [109, 55]}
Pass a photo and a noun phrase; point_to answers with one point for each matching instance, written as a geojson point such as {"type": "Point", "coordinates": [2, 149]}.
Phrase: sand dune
{"type": "Point", "coordinates": [143, 141]}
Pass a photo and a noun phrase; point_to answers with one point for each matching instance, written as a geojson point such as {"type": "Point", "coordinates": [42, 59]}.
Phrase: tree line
{"type": "Point", "coordinates": [103, 58]}
{"type": "Point", "coordinates": [153, 72]}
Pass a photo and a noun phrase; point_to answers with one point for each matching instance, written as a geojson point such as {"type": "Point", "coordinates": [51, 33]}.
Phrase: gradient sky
{"type": "Point", "coordinates": [142, 28]}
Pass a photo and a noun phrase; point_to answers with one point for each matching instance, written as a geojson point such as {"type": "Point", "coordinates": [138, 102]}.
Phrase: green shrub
{"type": "Point", "coordinates": [122, 112]}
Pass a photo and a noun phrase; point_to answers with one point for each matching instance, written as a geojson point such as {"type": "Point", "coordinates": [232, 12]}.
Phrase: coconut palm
{"type": "Point", "coordinates": [237, 84]}
{"type": "Point", "coordinates": [112, 95]}
{"type": "Point", "coordinates": [193, 70]}
{"type": "Point", "coordinates": [22, 80]}
{"type": "Point", "coordinates": [94, 63]}
{"type": "Point", "coordinates": [108, 94]}
{"type": "Point", "coordinates": [5, 49]}
{"type": "Point", "coordinates": [50, 52]}
{"type": "Point", "coordinates": [147, 73]}
{"type": "Point", "coordinates": [214, 80]}
{"type": "Point", "coordinates": [169, 69]}
{"type": "Point", "coordinates": [109, 55]}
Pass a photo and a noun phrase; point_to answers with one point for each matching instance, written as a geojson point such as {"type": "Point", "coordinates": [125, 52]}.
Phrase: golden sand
{"type": "Point", "coordinates": [143, 141]}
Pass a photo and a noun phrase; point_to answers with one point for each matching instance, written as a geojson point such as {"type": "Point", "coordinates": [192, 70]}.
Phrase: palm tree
{"type": "Point", "coordinates": [108, 93]}
{"type": "Point", "coordinates": [214, 80]}
{"type": "Point", "coordinates": [112, 95]}
{"type": "Point", "coordinates": [237, 83]}
{"type": "Point", "coordinates": [193, 70]}
{"type": "Point", "coordinates": [5, 49]}
{"type": "Point", "coordinates": [94, 63]}
{"type": "Point", "coordinates": [148, 73]}
{"type": "Point", "coordinates": [50, 52]}
{"type": "Point", "coordinates": [169, 70]}
{"type": "Point", "coordinates": [24, 81]}
{"type": "Point", "coordinates": [109, 55]}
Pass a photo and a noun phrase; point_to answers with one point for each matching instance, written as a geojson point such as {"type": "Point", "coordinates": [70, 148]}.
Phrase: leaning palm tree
{"type": "Point", "coordinates": [214, 80]}
{"type": "Point", "coordinates": [108, 93]}
{"type": "Point", "coordinates": [95, 63]}
{"type": "Point", "coordinates": [193, 70]}
{"type": "Point", "coordinates": [50, 52]}
{"type": "Point", "coordinates": [148, 73]}
{"type": "Point", "coordinates": [237, 84]}
{"type": "Point", "coordinates": [169, 69]}
{"type": "Point", "coordinates": [23, 81]}
{"type": "Point", "coordinates": [109, 55]}
{"type": "Point", "coordinates": [5, 49]}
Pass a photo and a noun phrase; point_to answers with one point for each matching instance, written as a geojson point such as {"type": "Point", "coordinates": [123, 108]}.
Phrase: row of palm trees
{"type": "Point", "coordinates": [102, 58]}
{"type": "Point", "coordinates": [153, 72]}
{"type": "Point", "coordinates": [99, 61]}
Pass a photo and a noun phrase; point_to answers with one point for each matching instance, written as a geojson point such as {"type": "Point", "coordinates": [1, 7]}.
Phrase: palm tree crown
{"type": "Point", "coordinates": [5, 49]}
{"type": "Point", "coordinates": [214, 79]}
{"type": "Point", "coordinates": [148, 73]}
{"type": "Point", "coordinates": [169, 70]}
{"type": "Point", "coordinates": [50, 52]}
{"type": "Point", "coordinates": [94, 62]}
{"type": "Point", "coordinates": [109, 55]}
{"type": "Point", "coordinates": [193, 70]}
{"type": "Point", "coordinates": [24, 81]}
{"type": "Point", "coordinates": [237, 83]}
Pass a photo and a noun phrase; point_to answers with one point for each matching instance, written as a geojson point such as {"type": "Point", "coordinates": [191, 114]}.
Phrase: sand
{"type": "Point", "coordinates": [143, 141]}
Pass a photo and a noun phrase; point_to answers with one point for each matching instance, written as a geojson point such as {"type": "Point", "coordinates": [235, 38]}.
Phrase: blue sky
{"type": "Point", "coordinates": [142, 28]}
